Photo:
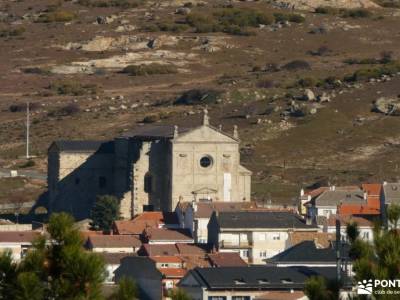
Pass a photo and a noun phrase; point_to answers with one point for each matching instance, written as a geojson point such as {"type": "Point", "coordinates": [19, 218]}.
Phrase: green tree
{"type": "Point", "coordinates": [377, 260]}
{"type": "Point", "coordinates": [105, 212]}
{"type": "Point", "coordinates": [179, 294]}
{"type": "Point", "coordinates": [8, 275]}
{"type": "Point", "coordinates": [315, 288]}
{"type": "Point", "coordinates": [393, 214]}
{"type": "Point", "coordinates": [352, 231]}
{"type": "Point", "coordinates": [127, 290]}
{"type": "Point", "coordinates": [55, 268]}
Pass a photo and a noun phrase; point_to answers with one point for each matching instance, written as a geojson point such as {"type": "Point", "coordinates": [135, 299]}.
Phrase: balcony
{"type": "Point", "coordinates": [235, 245]}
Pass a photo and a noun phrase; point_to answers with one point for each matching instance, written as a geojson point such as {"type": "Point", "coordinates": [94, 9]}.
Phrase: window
{"type": "Point", "coordinates": [366, 235]}
{"type": "Point", "coordinates": [102, 182]}
{"type": "Point", "coordinates": [216, 297]}
{"type": "Point", "coordinates": [240, 297]}
{"type": "Point", "coordinates": [206, 161]}
{"type": "Point", "coordinates": [245, 253]}
{"type": "Point", "coordinates": [263, 254]}
{"type": "Point", "coordinates": [276, 237]}
{"type": "Point", "coordinates": [263, 281]}
{"type": "Point", "coordinates": [239, 281]}
{"type": "Point", "coordinates": [148, 183]}
{"type": "Point", "coordinates": [286, 280]}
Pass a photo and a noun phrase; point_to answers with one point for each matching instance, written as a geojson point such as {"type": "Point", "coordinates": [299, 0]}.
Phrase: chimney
{"type": "Point", "coordinates": [365, 196]}
{"type": "Point", "coordinates": [333, 188]}
{"type": "Point", "coordinates": [301, 192]}
{"type": "Point", "coordinates": [220, 127]}
{"type": "Point", "coordinates": [194, 205]}
{"type": "Point", "coordinates": [175, 131]}
{"type": "Point", "coordinates": [384, 183]}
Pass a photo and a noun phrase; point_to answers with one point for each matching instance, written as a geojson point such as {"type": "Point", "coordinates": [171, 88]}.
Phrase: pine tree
{"type": "Point", "coordinates": [105, 212]}
{"type": "Point", "coordinates": [127, 290]}
{"type": "Point", "coordinates": [179, 294]}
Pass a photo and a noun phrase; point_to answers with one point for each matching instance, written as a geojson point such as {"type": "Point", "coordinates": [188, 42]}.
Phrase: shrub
{"type": "Point", "coordinates": [365, 74]}
{"type": "Point", "coordinates": [69, 109]}
{"type": "Point", "coordinates": [321, 51]}
{"type": "Point", "coordinates": [22, 107]}
{"type": "Point", "coordinates": [28, 164]}
{"type": "Point", "coordinates": [326, 10]}
{"type": "Point", "coordinates": [307, 82]}
{"type": "Point", "coordinates": [150, 69]}
{"type": "Point", "coordinates": [36, 70]}
{"type": "Point", "coordinates": [56, 16]}
{"type": "Point", "coordinates": [124, 4]}
{"type": "Point", "coordinates": [297, 65]}
{"type": "Point", "coordinates": [6, 33]}
{"type": "Point", "coordinates": [172, 27]}
{"type": "Point", "coordinates": [74, 88]}
{"type": "Point", "coordinates": [198, 96]}
{"type": "Point", "coordinates": [151, 119]}
{"type": "Point", "coordinates": [202, 23]}
{"type": "Point", "coordinates": [266, 84]}
{"type": "Point", "coordinates": [355, 13]}
{"type": "Point", "coordinates": [296, 18]}
{"type": "Point", "coordinates": [242, 17]}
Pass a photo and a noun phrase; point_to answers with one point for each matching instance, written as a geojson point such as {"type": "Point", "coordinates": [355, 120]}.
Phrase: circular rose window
{"type": "Point", "coordinates": [206, 161]}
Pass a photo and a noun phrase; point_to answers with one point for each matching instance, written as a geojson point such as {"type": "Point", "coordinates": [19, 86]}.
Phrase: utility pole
{"type": "Point", "coordinates": [27, 130]}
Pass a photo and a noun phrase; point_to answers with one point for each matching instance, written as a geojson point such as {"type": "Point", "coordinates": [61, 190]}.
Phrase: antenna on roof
{"type": "Point", "coordinates": [235, 132]}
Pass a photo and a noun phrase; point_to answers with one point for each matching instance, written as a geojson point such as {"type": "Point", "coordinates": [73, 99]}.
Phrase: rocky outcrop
{"type": "Point", "coordinates": [311, 5]}
{"type": "Point", "coordinates": [388, 106]}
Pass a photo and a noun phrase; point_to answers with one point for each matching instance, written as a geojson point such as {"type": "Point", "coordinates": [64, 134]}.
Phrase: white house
{"type": "Point", "coordinates": [366, 227]}
{"type": "Point", "coordinates": [18, 242]}
{"type": "Point", "coordinates": [255, 235]}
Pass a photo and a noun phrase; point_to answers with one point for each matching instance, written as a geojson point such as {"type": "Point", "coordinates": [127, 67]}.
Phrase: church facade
{"type": "Point", "coordinates": [150, 168]}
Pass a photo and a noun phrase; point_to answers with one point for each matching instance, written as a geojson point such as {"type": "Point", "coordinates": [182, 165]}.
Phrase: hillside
{"type": "Point", "coordinates": [300, 84]}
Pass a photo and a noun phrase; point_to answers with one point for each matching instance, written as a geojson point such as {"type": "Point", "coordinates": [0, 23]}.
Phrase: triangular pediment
{"type": "Point", "coordinates": [205, 134]}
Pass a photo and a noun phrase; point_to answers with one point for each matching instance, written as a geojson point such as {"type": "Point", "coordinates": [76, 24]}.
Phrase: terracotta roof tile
{"type": "Point", "coordinates": [158, 216]}
{"type": "Point", "coordinates": [345, 219]}
{"type": "Point", "coordinates": [131, 227]}
{"type": "Point", "coordinates": [166, 259]}
{"type": "Point", "coordinates": [226, 259]}
{"type": "Point", "coordinates": [162, 234]}
{"type": "Point", "coordinates": [18, 236]}
{"type": "Point", "coordinates": [173, 272]}
{"type": "Point", "coordinates": [323, 239]}
{"type": "Point", "coordinates": [158, 250]}
{"type": "Point", "coordinates": [205, 209]}
{"type": "Point", "coordinates": [114, 241]}
{"type": "Point", "coordinates": [114, 258]}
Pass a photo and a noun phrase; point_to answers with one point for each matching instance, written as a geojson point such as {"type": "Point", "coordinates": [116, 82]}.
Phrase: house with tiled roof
{"type": "Point", "coordinates": [167, 236]}
{"type": "Point", "coordinates": [255, 235]}
{"type": "Point", "coordinates": [114, 243]}
{"type": "Point", "coordinates": [365, 226]}
{"type": "Point", "coordinates": [226, 259]}
{"type": "Point", "coordinates": [321, 239]}
{"type": "Point", "coordinates": [254, 282]}
{"type": "Point", "coordinates": [18, 242]}
{"type": "Point", "coordinates": [196, 215]}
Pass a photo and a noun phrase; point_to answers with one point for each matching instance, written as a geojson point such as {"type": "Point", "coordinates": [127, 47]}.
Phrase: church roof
{"type": "Point", "coordinates": [84, 146]}
{"type": "Point", "coordinates": [154, 132]}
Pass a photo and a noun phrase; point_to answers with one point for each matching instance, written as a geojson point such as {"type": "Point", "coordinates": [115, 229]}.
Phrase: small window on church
{"type": "Point", "coordinates": [206, 161]}
{"type": "Point", "coordinates": [148, 183]}
{"type": "Point", "coordinates": [102, 182]}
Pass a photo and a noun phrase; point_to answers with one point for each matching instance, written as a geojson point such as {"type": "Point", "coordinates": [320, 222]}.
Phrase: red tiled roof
{"type": "Point", "coordinates": [166, 259]}
{"type": "Point", "coordinates": [162, 234]}
{"type": "Point", "coordinates": [345, 219]}
{"type": "Point", "coordinates": [133, 227]}
{"type": "Point", "coordinates": [356, 209]}
{"type": "Point", "coordinates": [323, 239]}
{"type": "Point", "coordinates": [159, 250]}
{"type": "Point", "coordinates": [114, 258]}
{"type": "Point", "coordinates": [372, 189]}
{"type": "Point", "coordinates": [114, 241]}
{"type": "Point", "coordinates": [173, 272]}
{"type": "Point", "coordinates": [158, 216]}
{"type": "Point", "coordinates": [226, 259]}
{"type": "Point", "coordinates": [18, 236]}
{"type": "Point", "coordinates": [188, 249]}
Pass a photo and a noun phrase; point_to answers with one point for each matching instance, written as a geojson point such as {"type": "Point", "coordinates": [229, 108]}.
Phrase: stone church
{"type": "Point", "coordinates": [151, 168]}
